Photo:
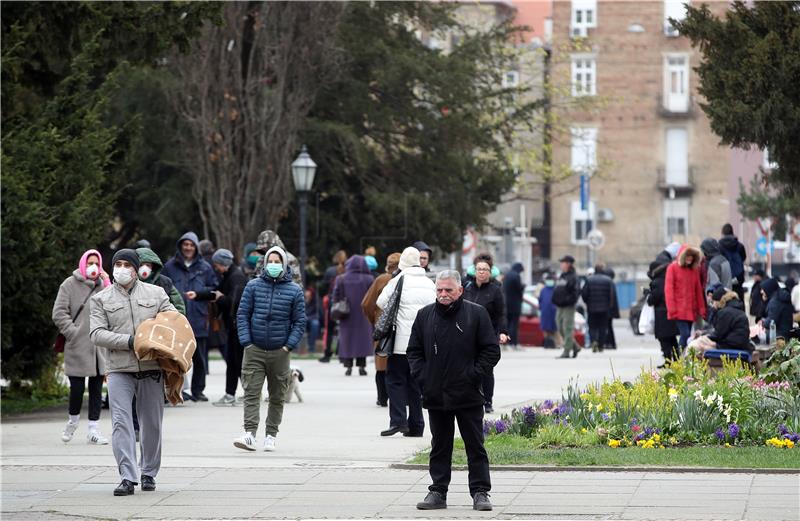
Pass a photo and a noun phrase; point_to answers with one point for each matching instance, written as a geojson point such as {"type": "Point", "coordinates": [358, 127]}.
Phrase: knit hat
{"type": "Point", "coordinates": [673, 248]}
{"type": "Point", "coordinates": [409, 258]}
{"type": "Point", "coordinates": [223, 257]}
{"type": "Point", "coordinates": [129, 255]}
{"type": "Point", "coordinates": [719, 293]}
{"type": "Point", "coordinates": [769, 286]}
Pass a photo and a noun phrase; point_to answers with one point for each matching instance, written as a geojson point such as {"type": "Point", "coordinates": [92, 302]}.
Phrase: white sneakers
{"type": "Point", "coordinates": [247, 441]}
{"type": "Point", "coordinates": [69, 432]}
{"type": "Point", "coordinates": [95, 438]}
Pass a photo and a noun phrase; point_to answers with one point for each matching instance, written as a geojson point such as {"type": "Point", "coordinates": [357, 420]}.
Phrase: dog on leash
{"type": "Point", "coordinates": [294, 385]}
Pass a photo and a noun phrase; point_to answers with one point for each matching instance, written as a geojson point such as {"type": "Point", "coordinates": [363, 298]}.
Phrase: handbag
{"type": "Point", "coordinates": [386, 344]}
{"type": "Point", "coordinates": [340, 309]}
{"type": "Point", "coordinates": [61, 341]}
{"type": "Point", "coordinates": [647, 320]}
{"type": "Point", "coordinates": [386, 327]}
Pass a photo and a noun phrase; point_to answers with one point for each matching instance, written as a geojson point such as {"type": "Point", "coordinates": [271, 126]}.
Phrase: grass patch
{"type": "Point", "coordinates": [517, 450]}
{"type": "Point", "coordinates": [20, 405]}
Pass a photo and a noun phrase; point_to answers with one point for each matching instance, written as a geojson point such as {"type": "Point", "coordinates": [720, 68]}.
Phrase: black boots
{"type": "Point", "coordinates": [434, 501]}
{"type": "Point", "coordinates": [148, 483]}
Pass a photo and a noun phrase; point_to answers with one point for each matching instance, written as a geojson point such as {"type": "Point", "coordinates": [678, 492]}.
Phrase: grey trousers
{"type": "Point", "coordinates": [122, 387]}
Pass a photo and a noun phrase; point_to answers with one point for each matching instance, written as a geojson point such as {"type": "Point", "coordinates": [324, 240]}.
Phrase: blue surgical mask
{"type": "Point", "coordinates": [274, 270]}
{"type": "Point", "coordinates": [549, 283]}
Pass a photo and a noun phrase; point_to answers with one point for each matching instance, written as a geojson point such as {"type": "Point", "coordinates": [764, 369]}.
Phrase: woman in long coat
{"type": "Point", "coordinates": [81, 358]}
{"type": "Point", "coordinates": [355, 331]}
{"type": "Point", "coordinates": [665, 330]}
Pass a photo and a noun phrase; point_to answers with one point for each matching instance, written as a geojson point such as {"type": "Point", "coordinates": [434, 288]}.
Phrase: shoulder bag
{"type": "Point", "coordinates": [340, 309]}
{"type": "Point", "coordinates": [61, 340]}
{"type": "Point", "coordinates": [386, 327]}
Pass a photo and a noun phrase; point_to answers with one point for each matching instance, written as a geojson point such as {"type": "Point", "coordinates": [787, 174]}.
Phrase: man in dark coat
{"type": "Point", "coordinates": [757, 304]}
{"type": "Point", "coordinates": [192, 275]}
{"type": "Point", "coordinates": [565, 296]}
{"type": "Point", "coordinates": [731, 327]}
{"type": "Point", "coordinates": [232, 283]}
{"type": "Point", "coordinates": [598, 295]}
{"type": "Point", "coordinates": [779, 308]}
{"type": "Point", "coordinates": [611, 339]}
{"type": "Point", "coordinates": [735, 252]}
{"type": "Point", "coordinates": [452, 345]}
{"type": "Point", "coordinates": [514, 289]}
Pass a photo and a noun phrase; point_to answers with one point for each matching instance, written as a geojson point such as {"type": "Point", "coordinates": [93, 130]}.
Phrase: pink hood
{"type": "Point", "coordinates": [82, 264]}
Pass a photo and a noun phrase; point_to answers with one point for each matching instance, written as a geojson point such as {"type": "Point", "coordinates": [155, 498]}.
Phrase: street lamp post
{"type": "Point", "coordinates": [303, 170]}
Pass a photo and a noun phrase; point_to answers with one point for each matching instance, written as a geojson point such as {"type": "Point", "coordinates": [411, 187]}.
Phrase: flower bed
{"type": "Point", "coordinates": [685, 404]}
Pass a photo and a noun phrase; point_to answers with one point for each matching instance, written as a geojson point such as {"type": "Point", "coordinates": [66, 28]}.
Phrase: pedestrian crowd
{"type": "Point", "coordinates": [435, 337]}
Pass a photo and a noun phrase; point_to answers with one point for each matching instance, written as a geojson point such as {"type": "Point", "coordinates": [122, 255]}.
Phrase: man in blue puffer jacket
{"type": "Point", "coordinates": [271, 321]}
{"type": "Point", "coordinates": [196, 281]}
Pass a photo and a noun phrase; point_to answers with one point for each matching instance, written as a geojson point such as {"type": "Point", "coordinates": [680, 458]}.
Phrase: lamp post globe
{"type": "Point", "coordinates": [303, 170]}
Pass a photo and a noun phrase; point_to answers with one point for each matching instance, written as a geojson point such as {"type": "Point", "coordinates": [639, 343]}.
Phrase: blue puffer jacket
{"type": "Point", "coordinates": [272, 312]}
{"type": "Point", "coordinates": [198, 277]}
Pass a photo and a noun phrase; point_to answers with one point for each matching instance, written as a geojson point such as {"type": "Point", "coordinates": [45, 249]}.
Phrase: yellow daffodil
{"type": "Point", "coordinates": [728, 445]}
{"type": "Point", "coordinates": [789, 444]}
{"type": "Point", "coordinates": [599, 407]}
{"type": "Point", "coordinates": [584, 430]}
{"type": "Point", "coordinates": [613, 443]}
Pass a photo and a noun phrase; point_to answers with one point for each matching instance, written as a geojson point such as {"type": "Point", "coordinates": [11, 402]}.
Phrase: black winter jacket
{"type": "Point", "coordinates": [450, 350]}
{"type": "Point", "coordinates": [231, 287]}
{"type": "Point", "coordinates": [566, 292]}
{"type": "Point", "coordinates": [731, 327]}
{"type": "Point", "coordinates": [758, 307]}
{"type": "Point", "coordinates": [514, 289]}
{"type": "Point", "coordinates": [490, 296]}
{"type": "Point", "coordinates": [598, 294]}
{"type": "Point", "coordinates": [780, 310]}
{"type": "Point", "coordinates": [664, 327]}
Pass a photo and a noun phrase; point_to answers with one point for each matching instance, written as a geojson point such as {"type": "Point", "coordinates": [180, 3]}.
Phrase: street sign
{"type": "Point", "coordinates": [595, 239]}
{"type": "Point", "coordinates": [761, 246]}
{"type": "Point", "coordinates": [764, 224]}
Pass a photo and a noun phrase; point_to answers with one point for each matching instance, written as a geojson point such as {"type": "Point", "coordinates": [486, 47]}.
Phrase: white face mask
{"type": "Point", "coordinates": [123, 275]}
{"type": "Point", "coordinates": [144, 272]}
{"type": "Point", "coordinates": [92, 271]}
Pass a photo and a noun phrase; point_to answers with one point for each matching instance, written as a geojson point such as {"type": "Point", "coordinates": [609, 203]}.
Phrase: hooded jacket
{"type": "Point", "coordinates": [779, 308]}
{"type": "Point", "coordinates": [450, 350]}
{"type": "Point", "coordinates": [719, 269]}
{"type": "Point", "coordinates": [418, 291]}
{"type": "Point", "coordinates": [269, 239]}
{"type": "Point", "coordinates": [682, 289]}
{"type": "Point", "coordinates": [514, 289]}
{"type": "Point", "coordinates": [198, 277]}
{"type": "Point", "coordinates": [272, 311]}
{"type": "Point", "coordinates": [664, 327]}
{"type": "Point", "coordinates": [116, 313]}
{"type": "Point", "coordinates": [81, 356]}
{"type": "Point", "coordinates": [231, 286]}
{"type": "Point", "coordinates": [731, 327]}
{"type": "Point", "coordinates": [355, 331]}
{"type": "Point", "coordinates": [158, 279]}
{"type": "Point", "coordinates": [729, 247]}
{"type": "Point", "coordinates": [490, 296]}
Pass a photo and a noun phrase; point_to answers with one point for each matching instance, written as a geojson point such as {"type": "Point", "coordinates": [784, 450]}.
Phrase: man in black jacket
{"type": "Point", "coordinates": [598, 295]}
{"type": "Point", "coordinates": [565, 296]}
{"type": "Point", "coordinates": [452, 346]}
{"type": "Point", "coordinates": [233, 281]}
{"type": "Point", "coordinates": [514, 290]}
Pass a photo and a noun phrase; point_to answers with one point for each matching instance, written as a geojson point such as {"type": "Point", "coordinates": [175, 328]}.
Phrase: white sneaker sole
{"type": "Point", "coordinates": [243, 446]}
{"type": "Point", "coordinates": [269, 449]}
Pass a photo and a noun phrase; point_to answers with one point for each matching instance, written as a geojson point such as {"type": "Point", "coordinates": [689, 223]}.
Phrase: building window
{"type": "Point", "coordinates": [677, 157]}
{"type": "Point", "coordinates": [676, 219]}
{"type": "Point", "coordinates": [584, 150]}
{"type": "Point", "coordinates": [581, 221]}
{"type": "Point", "coordinates": [767, 163]}
{"type": "Point", "coordinates": [584, 16]}
{"type": "Point", "coordinates": [673, 9]}
{"type": "Point", "coordinates": [676, 82]}
{"type": "Point", "coordinates": [584, 76]}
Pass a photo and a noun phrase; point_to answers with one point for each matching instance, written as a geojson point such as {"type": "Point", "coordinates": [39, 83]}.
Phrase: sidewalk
{"type": "Point", "coordinates": [332, 463]}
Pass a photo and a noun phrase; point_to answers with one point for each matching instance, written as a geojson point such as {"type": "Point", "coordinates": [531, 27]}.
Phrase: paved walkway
{"type": "Point", "coordinates": [331, 462]}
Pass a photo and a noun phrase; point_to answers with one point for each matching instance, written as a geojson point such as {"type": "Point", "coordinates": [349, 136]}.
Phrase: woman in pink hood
{"type": "Point", "coordinates": [81, 358]}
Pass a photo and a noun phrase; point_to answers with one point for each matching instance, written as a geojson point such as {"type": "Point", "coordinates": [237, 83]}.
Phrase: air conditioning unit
{"type": "Point", "coordinates": [670, 31]}
{"type": "Point", "coordinates": [579, 32]}
{"type": "Point", "coordinates": [605, 215]}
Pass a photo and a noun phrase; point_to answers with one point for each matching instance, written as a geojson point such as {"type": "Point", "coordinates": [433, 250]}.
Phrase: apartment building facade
{"type": "Point", "coordinates": [647, 168]}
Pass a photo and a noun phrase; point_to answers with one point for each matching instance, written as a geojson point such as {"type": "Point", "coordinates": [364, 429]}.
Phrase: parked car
{"type": "Point", "coordinates": [636, 311]}
{"type": "Point", "coordinates": [530, 329]}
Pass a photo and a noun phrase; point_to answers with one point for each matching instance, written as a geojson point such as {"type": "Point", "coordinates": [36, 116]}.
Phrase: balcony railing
{"type": "Point", "coordinates": [673, 112]}
{"type": "Point", "coordinates": [675, 189]}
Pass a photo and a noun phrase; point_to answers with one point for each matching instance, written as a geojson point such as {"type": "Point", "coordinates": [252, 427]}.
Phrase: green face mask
{"type": "Point", "coordinates": [274, 270]}
{"type": "Point", "coordinates": [252, 260]}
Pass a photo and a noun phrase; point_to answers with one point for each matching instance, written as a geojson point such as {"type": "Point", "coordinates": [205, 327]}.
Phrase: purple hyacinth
{"type": "Point", "coordinates": [487, 426]}
{"type": "Point", "coordinates": [733, 430]}
{"type": "Point", "coordinates": [720, 434]}
{"type": "Point", "coordinates": [604, 416]}
{"type": "Point", "coordinates": [783, 429]}
{"type": "Point", "coordinates": [529, 415]}
{"type": "Point", "coordinates": [547, 404]}
{"type": "Point", "coordinates": [500, 426]}
{"type": "Point", "coordinates": [649, 431]}
{"type": "Point", "coordinates": [795, 437]}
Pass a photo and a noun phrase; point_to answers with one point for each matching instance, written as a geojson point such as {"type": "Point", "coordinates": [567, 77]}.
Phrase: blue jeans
{"type": "Point", "coordinates": [684, 332]}
{"type": "Point", "coordinates": [313, 329]}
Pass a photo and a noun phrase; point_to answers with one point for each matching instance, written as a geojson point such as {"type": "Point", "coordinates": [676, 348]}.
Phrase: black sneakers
{"type": "Point", "coordinates": [480, 501]}
{"type": "Point", "coordinates": [148, 483]}
{"type": "Point", "coordinates": [125, 488]}
{"type": "Point", "coordinates": [434, 501]}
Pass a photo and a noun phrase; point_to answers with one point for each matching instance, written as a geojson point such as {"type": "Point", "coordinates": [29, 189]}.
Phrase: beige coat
{"type": "Point", "coordinates": [81, 357]}
{"type": "Point", "coordinates": [114, 317]}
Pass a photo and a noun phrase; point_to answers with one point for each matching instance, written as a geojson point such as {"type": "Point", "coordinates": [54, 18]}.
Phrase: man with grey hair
{"type": "Point", "coordinates": [452, 346]}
